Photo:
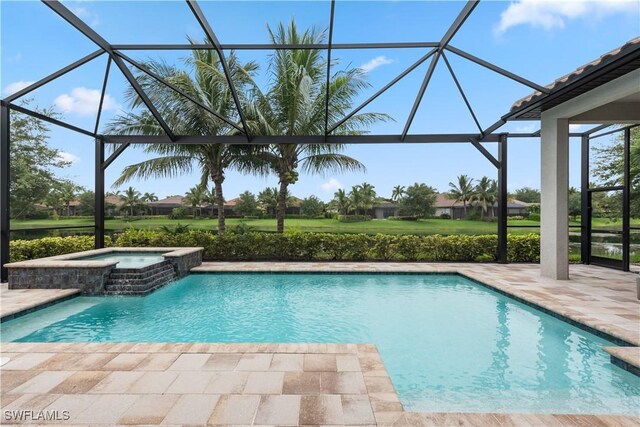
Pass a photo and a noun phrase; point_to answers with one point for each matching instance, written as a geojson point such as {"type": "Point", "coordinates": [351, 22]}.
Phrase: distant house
{"type": "Point", "coordinates": [112, 204]}
{"type": "Point", "coordinates": [384, 209]}
{"type": "Point", "coordinates": [455, 209]}
{"type": "Point", "coordinates": [168, 204]}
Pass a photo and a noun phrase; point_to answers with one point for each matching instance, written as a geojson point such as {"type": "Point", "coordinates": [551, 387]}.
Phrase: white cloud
{"type": "Point", "coordinates": [575, 128]}
{"type": "Point", "coordinates": [15, 86]}
{"type": "Point", "coordinates": [550, 14]}
{"type": "Point", "coordinates": [526, 128]}
{"type": "Point", "coordinates": [84, 101]}
{"type": "Point", "coordinates": [15, 58]}
{"type": "Point", "coordinates": [331, 185]}
{"type": "Point", "coordinates": [86, 15]}
{"type": "Point", "coordinates": [68, 157]}
{"type": "Point", "coordinates": [375, 63]}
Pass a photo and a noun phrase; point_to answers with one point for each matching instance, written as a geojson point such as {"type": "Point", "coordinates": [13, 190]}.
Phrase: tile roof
{"type": "Point", "coordinates": [622, 60]}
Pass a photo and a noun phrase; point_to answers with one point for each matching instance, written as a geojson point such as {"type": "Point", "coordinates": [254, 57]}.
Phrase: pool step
{"type": "Point", "coordinates": [140, 282]}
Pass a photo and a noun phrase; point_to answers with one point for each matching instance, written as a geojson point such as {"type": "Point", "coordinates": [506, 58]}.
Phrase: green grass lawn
{"type": "Point", "coordinates": [426, 226]}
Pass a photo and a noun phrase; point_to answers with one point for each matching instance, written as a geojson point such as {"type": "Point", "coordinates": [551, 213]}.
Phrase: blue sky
{"type": "Point", "coordinates": [539, 40]}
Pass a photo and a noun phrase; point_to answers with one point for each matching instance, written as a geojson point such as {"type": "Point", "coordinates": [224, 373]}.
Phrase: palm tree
{"type": "Point", "coordinates": [149, 197]}
{"type": "Point", "coordinates": [397, 193]}
{"type": "Point", "coordinates": [195, 197]}
{"type": "Point", "coordinates": [463, 192]}
{"type": "Point", "coordinates": [485, 193]}
{"type": "Point", "coordinates": [366, 194]}
{"type": "Point", "coordinates": [131, 199]}
{"type": "Point", "coordinates": [295, 105]}
{"type": "Point", "coordinates": [268, 198]}
{"type": "Point", "coordinates": [205, 81]}
{"type": "Point", "coordinates": [341, 201]}
{"type": "Point", "coordinates": [356, 198]}
{"type": "Point", "coordinates": [209, 196]}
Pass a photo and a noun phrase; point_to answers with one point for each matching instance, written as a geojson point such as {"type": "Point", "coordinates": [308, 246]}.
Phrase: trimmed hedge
{"type": "Point", "coordinates": [302, 246]}
{"type": "Point", "coordinates": [341, 247]}
{"type": "Point", "coordinates": [22, 250]}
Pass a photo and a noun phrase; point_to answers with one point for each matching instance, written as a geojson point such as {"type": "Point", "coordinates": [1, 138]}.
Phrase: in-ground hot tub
{"type": "Point", "coordinates": [123, 271]}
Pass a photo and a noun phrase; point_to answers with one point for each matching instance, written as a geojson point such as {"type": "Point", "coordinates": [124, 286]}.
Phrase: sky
{"type": "Point", "coordinates": [538, 40]}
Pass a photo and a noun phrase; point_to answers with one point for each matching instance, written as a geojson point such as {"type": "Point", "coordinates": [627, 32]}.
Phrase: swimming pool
{"type": "Point", "coordinates": [448, 343]}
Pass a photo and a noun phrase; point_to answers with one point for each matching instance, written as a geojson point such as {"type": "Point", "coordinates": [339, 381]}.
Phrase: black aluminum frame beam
{"type": "Point", "coordinates": [206, 27]}
{"type": "Point", "coordinates": [457, 24]}
{"type": "Point", "coordinates": [88, 32]}
{"type": "Point", "coordinates": [423, 88]}
{"type": "Point", "coordinates": [464, 96]}
{"type": "Point", "coordinates": [98, 215]}
{"type": "Point", "coordinates": [503, 209]}
{"type": "Point", "coordinates": [102, 95]}
{"type": "Point", "coordinates": [268, 46]}
{"type": "Point", "coordinates": [585, 212]}
{"type": "Point", "coordinates": [497, 69]}
{"type": "Point", "coordinates": [626, 200]}
{"type": "Point", "coordinates": [305, 139]}
{"type": "Point", "coordinates": [116, 153]}
{"type": "Point", "coordinates": [5, 140]}
{"type": "Point", "coordinates": [326, 111]}
{"type": "Point", "coordinates": [444, 42]}
{"type": "Point", "coordinates": [385, 88]}
{"type": "Point", "coordinates": [178, 90]}
{"type": "Point", "coordinates": [61, 72]}
{"type": "Point", "coordinates": [48, 119]}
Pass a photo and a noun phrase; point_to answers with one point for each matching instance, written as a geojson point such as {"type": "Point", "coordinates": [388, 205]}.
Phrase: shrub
{"type": "Point", "coordinates": [22, 250]}
{"type": "Point", "coordinates": [445, 216]}
{"type": "Point", "coordinates": [178, 213]}
{"type": "Point", "coordinates": [404, 218]}
{"type": "Point", "coordinates": [515, 218]}
{"type": "Point", "coordinates": [534, 217]}
{"type": "Point", "coordinates": [354, 218]}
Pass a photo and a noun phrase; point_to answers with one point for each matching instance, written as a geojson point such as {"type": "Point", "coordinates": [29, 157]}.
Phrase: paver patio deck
{"type": "Point", "coordinates": [283, 384]}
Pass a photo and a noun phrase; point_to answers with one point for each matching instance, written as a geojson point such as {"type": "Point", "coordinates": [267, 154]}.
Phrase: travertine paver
{"type": "Point", "coordinates": [285, 384]}
{"type": "Point", "coordinates": [253, 392]}
{"type": "Point", "coordinates": [18, 300]}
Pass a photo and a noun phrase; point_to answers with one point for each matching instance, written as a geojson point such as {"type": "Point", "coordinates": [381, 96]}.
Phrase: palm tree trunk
{"type": "Point", "coordinates": [220, 203]}
{"type": "Point", "coordinates": [282, 205]}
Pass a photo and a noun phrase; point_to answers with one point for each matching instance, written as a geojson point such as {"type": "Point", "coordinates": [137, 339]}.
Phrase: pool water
{"type": "Point", "coordinates": [448, 343]}
{"type": "Point", "coordinates": [128, 259]}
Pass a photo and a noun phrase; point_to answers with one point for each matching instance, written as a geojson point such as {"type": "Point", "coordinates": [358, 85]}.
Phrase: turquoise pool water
{"type": "Point", "coordinates": [448, 343]}
{"type": "Point", "coordinates": [128, 259]}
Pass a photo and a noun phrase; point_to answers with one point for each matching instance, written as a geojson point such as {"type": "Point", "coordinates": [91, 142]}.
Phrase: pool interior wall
{"type": "Point", "coordinates": [448, 343]}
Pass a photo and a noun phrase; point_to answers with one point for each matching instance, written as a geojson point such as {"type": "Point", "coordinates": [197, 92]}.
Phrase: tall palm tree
{"type": "Point", "coordinates": [341, 201]}
{"type": "Point", "coordinates": [486, 194]}
{"type": "Point", "coordinates": [204, 81]}
{"type": "Point", "coordinates": [463, 192]}
{"type": "Point", "coordinates": [397, 193]}
{"type": "Point", "coordinates": [131, 199]}
{"type": "Point", "coordinates": [295, 105]}
{"type": "Point", "coordinates": [195, 197]}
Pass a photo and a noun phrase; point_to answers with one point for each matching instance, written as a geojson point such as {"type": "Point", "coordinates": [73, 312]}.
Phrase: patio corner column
{"type": "Point", "coordinates": [5, 136]}
{"type": "Point", "coordinates": [554, 212]}
{"type": "Point", "coordinates": [98, 214]}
